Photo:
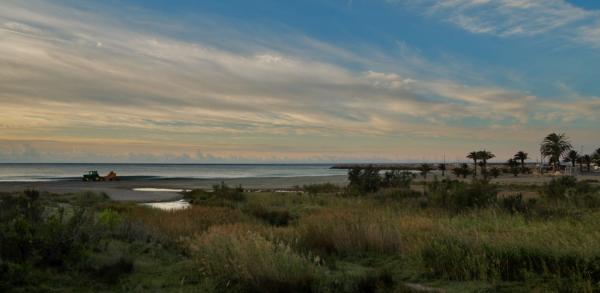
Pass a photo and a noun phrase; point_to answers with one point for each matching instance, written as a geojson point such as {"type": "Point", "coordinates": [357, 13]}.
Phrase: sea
{"type": "Point", "coordinates": [69, 171]}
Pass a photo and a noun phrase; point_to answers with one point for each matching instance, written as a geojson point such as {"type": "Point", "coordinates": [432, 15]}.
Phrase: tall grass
{"type": "Point", "coordinates": [238, 259]}
{"type": "Point", "coordinates": [350, 231]}
{"type": "Point", "coordinates": [269, 242]}
{"type": "Point", "coordinates": [182, 224]}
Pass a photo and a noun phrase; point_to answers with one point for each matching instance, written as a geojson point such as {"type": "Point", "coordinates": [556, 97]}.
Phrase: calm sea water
{"type": "Point", "coordinates": [50, 172]}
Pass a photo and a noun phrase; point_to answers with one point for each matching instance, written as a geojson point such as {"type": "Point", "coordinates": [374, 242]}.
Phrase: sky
{"type": "Point", "coordinates": [314, 81]}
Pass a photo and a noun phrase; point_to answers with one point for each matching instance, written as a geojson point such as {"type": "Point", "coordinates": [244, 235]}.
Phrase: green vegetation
{"type": "Point", "coordinates": [463, 171]}
{"type": "Point", "coordinates": [555, 146]}
{"type": "Point", "coordinates": [81, 243]}
{"type": "Point", "coordinates": [458, 236]}
{"type": "Point", "coordinates": [322, 188]}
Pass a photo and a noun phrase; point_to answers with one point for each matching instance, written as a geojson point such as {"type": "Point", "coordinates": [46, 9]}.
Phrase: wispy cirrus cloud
{"type": "Point", "coordinates": [513, 18]}
{"type": "Point", "coordinates": [74, 78]}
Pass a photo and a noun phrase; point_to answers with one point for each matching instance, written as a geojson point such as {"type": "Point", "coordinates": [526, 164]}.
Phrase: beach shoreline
{"type": "Point", "coordinates": [123, 190]}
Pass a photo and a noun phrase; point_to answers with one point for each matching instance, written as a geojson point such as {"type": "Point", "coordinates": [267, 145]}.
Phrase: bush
{"type": "Point", "coordinates": [112, 271]}
{"type": "Point", "coordinates": [221, 195]}
{"type": "Point", "coordinates": [515, 204]}
{"type": "Point", "coordinates": [557, 188]}
{"type": "Point", "coordinates": [109, 218]}
{"type": "Point", "coordinates": [397, 179]}
{"type": "Point", "coordinates": [495, 172]}
{"type": "Point", "coordinates": [225, 192]}
{"type": "Point", "coordinates": [397, 194]}
{"type": "Point", "coordinates": [463, 171]}
{"type": "Point", "coordinates": [568, 189]}
{"type": "Point", "coordinates": [273, 216]}
{"type": "Point", "coordinates": [47, 240]}
{"type": "Point", "coordinates": [248, 262]}
{"type": "Point", "coordinates": [364, 180]}
{"type": "Point", "coordinates": [33, 238]}
{"type": "Point", "coordinates": [321, 188]}
{"type": "Point", "coordinates": [375, 281]}
{"type": "Point", "coordinates": [456, 195]}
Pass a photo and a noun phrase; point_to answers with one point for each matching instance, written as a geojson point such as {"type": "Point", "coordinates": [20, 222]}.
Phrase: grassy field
{"type": "Point", "coordinates": [446, 235]}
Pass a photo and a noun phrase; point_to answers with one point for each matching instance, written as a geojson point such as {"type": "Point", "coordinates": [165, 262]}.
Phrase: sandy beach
{"type": "Point", "coordinates": [124, 190]}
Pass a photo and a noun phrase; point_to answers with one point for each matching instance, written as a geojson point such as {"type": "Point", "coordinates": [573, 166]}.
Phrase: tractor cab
{"type": "Point", "coordinates": [91, 176]}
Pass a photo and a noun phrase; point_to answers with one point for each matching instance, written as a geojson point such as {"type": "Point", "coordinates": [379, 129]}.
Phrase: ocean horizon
{"type": "Point", "coordinates": [36, 172]}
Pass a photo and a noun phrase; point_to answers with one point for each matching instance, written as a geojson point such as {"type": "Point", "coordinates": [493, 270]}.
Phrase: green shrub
{"type": "Point", "coordinates": [456, 195]}
{"type": "Point", "coordinates": [109, 218]}
{"type": "Point", "coordinates": [232, 194]}
{"type": "Point", "coordinates": [463, 171]}
{"type": "Point", "coordinates": [321, 188]}
{"type": "Point", "coordinates": [47, 240]}
{"type": "Point", "coordinates": [407, 197]}
{"type": "Point", "coordinates": [516, 204]}
{"type": "Point", "coordinates": [375, 281]}
{"type": "Point", "coordinates": [495, 172]}
{"type": "Point", "coordinates": [34, 239]}
{"type": "Point", "coordinates": [26, 205]}
{"type": "Point", "coordinates": [364, 180]}
{"type": "Point", "coordinates": [570, 191]}
{"type": "Point", "coordinates": [114, 270]}
{"type": "Point", "coordinates": [221, 195]}
{"type": "Point", "coordinates": [273, 216]}
{"type": "Point", "coordinates": [557, 188]}
{"type": "Point", "coordinates": [397, 179]}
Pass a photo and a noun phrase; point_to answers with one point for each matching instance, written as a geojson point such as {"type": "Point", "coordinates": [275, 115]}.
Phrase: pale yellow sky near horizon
{"type": "Point", "coordinates": [79, 86]}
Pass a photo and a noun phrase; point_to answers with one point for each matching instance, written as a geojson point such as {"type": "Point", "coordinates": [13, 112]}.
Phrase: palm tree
{"type": "Point", "coordinates": [484, 156]}
{"type": "Point", "coordinates": [521, 156]}
{"type": "Point", "coordinates": [442, 167]}
{"type": "Point", "coordinates": [572, 157]}
{"type": "Point", "coordinates": [597, 156]}
{"type": "Point", "coordinates": [554, 146]}
{"type": "Point", "coordinates": [475, 157]}
{"type": "Point", "coordinates": [587, 160]}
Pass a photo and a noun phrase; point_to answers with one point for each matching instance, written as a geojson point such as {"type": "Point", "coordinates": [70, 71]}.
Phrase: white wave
{"type": "Point", "coordinates": [149, 189]}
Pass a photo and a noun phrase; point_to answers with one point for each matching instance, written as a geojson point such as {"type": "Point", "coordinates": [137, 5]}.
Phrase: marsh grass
{"type": "Point", "coordinates": [350, 231]}
{"type": "Point", "coordinates": [276, 216]}
{"type": "Point", "coordinates": [242, 260]}
{"type": "Point", "coordinates": [456, 233]}
{"type": "Point", "coordinates": [182, 224]}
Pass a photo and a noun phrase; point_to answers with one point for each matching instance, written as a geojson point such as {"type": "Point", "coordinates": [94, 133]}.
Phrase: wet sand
{"type": "Point", "coordinates": [123, 190]}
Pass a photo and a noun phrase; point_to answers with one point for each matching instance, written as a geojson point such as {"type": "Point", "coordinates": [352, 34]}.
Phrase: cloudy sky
{"type": "Point", "coordinates": [294, 81]}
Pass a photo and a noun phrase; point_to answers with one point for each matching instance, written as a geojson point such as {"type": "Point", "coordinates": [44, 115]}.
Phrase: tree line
{"type": "Point", "coordinates": [554, 147]}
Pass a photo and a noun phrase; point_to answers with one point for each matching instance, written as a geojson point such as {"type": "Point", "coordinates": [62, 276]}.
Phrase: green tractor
{"type": "Point", "coordinates": [91, 176]}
